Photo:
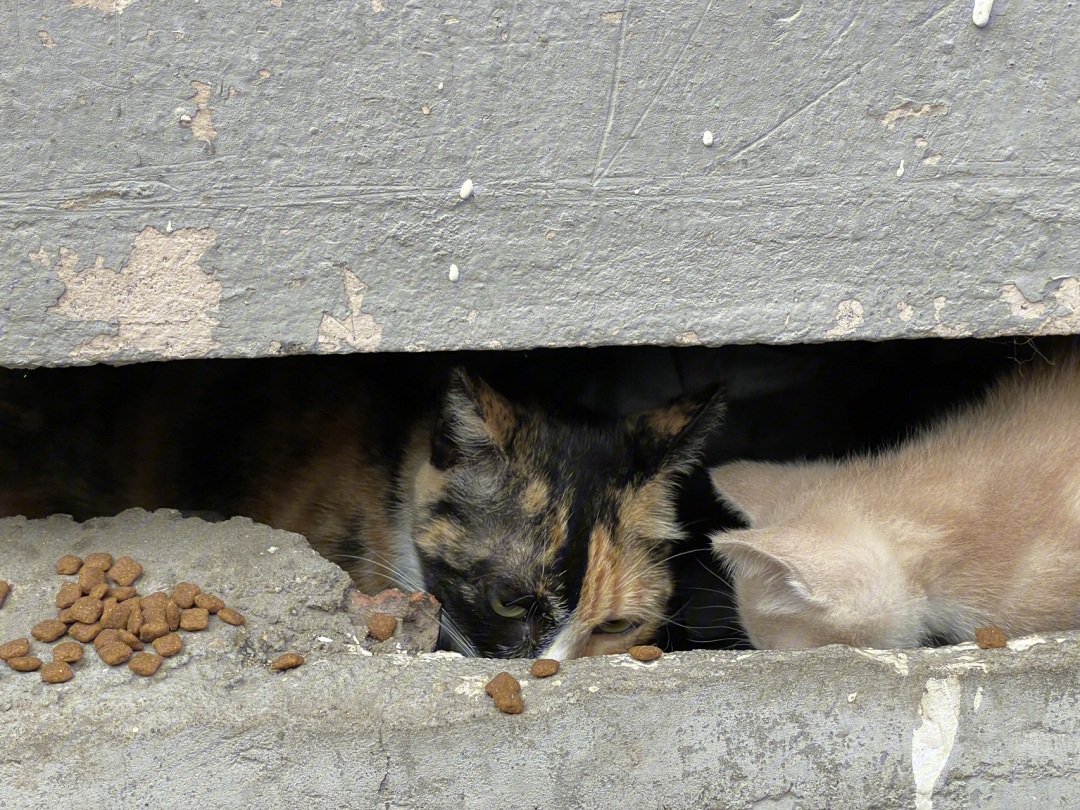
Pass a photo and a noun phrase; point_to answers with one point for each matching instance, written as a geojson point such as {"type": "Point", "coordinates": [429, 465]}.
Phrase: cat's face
{"type": "Point", "coordinates": [811, 570]}
{"type": "Point", "coordinates": [543, 537]}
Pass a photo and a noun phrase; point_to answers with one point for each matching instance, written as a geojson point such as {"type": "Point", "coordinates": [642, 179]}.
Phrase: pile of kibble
{"type": "Point", "coordinates": [115, 618]}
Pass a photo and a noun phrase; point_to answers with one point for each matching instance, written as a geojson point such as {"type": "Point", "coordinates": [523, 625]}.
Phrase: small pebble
{"type": "Point", "coordinates": [68, 564]}
{"type": "Point", "coordinates": [381, 626]}
{"type": "Point", "coordinates": [466, 190]}
{"type": "Point", "coordinates": [645, 652]}
{"type": "Point", "coordinates": [287, 661]}
{"type": "Point", "coordinates": [57, 672]}
{"type": "Point", "coordinates": [980, 12]}
{"type": "Point", "coordinates": [24, 663]}
{"type": "Point", "coordinates": [707, 138]}
{"type": "Point", "coordinates": [989, 638]}
{"type": "Point", "coordinates": [69, 652]}
{"type": "Point", "coordinates": [544, 667]}
{"type": "Point", "coordinates": [454, 273]}
{"type": "Point", "coordinates": [231, 616]}
{"type": "Point", "coordinates": [145, 663]}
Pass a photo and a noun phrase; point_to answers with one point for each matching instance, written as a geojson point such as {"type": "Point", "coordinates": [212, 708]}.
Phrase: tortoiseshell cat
{"type": "Point", "coordinates": [974, 522]}
{"type": "Point", "coordinates": [540, 535]}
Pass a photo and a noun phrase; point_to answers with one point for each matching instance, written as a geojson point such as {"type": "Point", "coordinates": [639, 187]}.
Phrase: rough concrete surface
{"type": "Point", "coordinates": [238, 179]}
{"type": "Point", "coordinates": [841, 728]}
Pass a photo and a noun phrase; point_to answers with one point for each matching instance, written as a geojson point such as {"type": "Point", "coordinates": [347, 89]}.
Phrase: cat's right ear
{"type": "Point", "coordinates": [762, 492]}
{"type": "Point", "coordinates": [473, 420]}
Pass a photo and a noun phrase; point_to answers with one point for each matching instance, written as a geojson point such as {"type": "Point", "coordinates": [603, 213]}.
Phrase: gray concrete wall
{"type": "Point", "coordinates": [835, 727]}
{"type": "Point", "coordinates": [238, 179]}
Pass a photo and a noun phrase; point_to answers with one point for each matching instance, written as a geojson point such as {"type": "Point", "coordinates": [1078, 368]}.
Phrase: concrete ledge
{"type": "Point", "coordinates": [835, 727]}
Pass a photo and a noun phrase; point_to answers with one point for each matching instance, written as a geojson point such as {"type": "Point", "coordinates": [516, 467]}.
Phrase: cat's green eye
{"type": "Point", "coordinates": [509, 611]}
{"type": "Point", "coordinates": [614, 626]}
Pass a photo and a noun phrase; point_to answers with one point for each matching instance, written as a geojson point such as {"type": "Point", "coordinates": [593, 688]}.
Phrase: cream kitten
{"type": "Point", "coordinates": [973, 522]}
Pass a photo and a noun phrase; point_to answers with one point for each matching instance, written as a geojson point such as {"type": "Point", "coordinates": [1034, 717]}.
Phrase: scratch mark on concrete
{"type": "Point", "coordinates": [655, 96]}
{"type": "Point", "coordinates": [932, 742]}
{"type": "Point", "coordinates": [790, 117]}
{"type": "Point", "coordinates": [159, 299]}
{"type": "Point", "coordinates": [616, 80]}
{"type": "Point", "coordinates": [357, 329]}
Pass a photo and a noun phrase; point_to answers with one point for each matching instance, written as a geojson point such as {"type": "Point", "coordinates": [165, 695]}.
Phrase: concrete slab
{"type": "Point", "coordinates": [956, 727]}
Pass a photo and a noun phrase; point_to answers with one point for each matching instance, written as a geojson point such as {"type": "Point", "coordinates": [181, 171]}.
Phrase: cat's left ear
{"type": "Point", "coordinates": [473, 419]}
{"type": "Point", "coordinates": [763, 492]}
{"type": "Point", "coordinates": [674, 434]}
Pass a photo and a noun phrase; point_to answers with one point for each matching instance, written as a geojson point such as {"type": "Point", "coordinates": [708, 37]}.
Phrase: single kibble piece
{"type": "Point", "coordinates": [65, 615]}
{"type": "Point", "coordinates": [125, 571]}
{"type": "Point", "coordinates": [99, 591]}
{"type": "Point", "coordinates": [89, 577]}
{"type": "Point", "coordinates": [184, 594]}
{"type": "Point", "coordinates": [99, 560]}
{"type": "Point", "coordinates": [87, 610]}
{"type": "Point", "coordinates": [544, 667]}
{"type": "Point", "coordinates": [504, 680]}
{"type": "Point", "coordinates": [134, 617]}
{"type": "Point", "coordinates": [380, 626]}
{"type": "Point", "coordinates": [5, 589]}
{"type": "Point", "coordinates": [989, 637]}
{"type": "Point", "coordinates": [194, 619]}
{"type": "Point", "coordinates": [152, 630]}
{"type": "Point", "coordinates": [509, 701]}
{"type": "Point", "coordinates": [155, 601]}
{"type": "Point", "coordinates": [145, 663]}
{"type": "Point", "coordinates": [16, 648]}
{"type": "Point", "coordinates": [168, 645]}
{"type": "Point", "coordinates": [172, 615]}
{"type": "Point", "coordinates": [287, 661]}
{"type": "Point", "coordinates": [646, 652]}
{"type": "Point", "coordinates": [130, 639]}
{"type": "Point", "coordinates": [115, 653]}
{"type": "Point", "coordinates": [209, 602]}
{"type": "Point", "coordinates": [115, 615]}
{"type": "Point", "coordinates": [106, 636]}
{"type": "Point", "coordinates": [230, 616]}
{"type": "Point", "coordinates": [24, 663]}
{"type": "Point", "coordinates": [57, 672]}
{"type": "Point", "coordinates": [84, 632]}
{"type": "Point", "coordinates": [68, 594]}
{"type": "Point", "coordinates": [120, 594]}
{"type": "Point", "coordinates": [68, 564]}
{"type": "Point", "coordinates": [69, 652]}
{"type": "Point", "coordinates": [48, 631]}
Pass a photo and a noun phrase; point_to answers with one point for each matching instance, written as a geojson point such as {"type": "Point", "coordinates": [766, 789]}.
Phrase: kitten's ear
{"type": "Point", "coordinates": [759, 554]}
{"type": "Point", "coordinates": [674, 434]}
{"type": "Point", "coordinates": [762, 492]}
{"type": "Point", "coordinates": [473, 419]}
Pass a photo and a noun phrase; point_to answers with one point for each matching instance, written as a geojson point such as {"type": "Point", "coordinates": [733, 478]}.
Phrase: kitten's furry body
{"type": "Point", "coordinates": [974, 522]}
{"type": "Point", "coordinates": [540, 535]}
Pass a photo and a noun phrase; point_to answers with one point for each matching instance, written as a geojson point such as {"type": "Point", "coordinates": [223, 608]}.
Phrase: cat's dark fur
{"type": "Point", "coordinates": [541, 535]}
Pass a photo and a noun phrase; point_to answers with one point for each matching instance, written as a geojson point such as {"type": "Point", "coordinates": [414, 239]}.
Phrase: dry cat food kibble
{"type": "Point", "coordinates": [87, 610]}
{"type": "Point", "coordinates": [15, 648]}
{"type": "Point", "coordinates": [84, 632]}
{"type": "Point", "coordinates": [99, 591]}
{"type": "Point", "coordinates": [504, 680]}
{"type": "Point", "coordinates": [68, 564]}
{"type": "Point", "coordinates": [544, 667]}
{"type": "Point", "coordinates": [989, 638]}
{"type": "Point", "coordinates": [115, 615]}
{"type": "Point", "coordinates": [125, 571]}
{"type": "Point", "coordinates": [145, 663]}
{"type": "Point", "coordinates": [114, 653]}
{"type": "Point", "coordinates": [194, 619]}
{"type": "Point", "coordinates": [24, 663]}
{"type": "Point", "coordinates": [380, 626]}
{"type": "Point", "coordinates": [231, 616]}
{"type": "Point", "coordinates": [209, 602]}
{"type": "Point", "coordinates": [120, 594]}
{"type": "Point", "coordinates": [99, 560]}
{"type": "Point", "coordinates": [69, 652]}
{"type": "Point", "coordinates": [168, 645]}
{"type": "Point", "coordinates": [90, 577]}
{"type": "Point", "coordinates": [184, 594]}
{"type": "Point", "coordinates": [68, 595]}
{"type": "Point", "coordinates": [48, 631]}
{"type": "Point", "coordinates": [57, 672]}
{"type": "Point", "coordinates": [5, 589]}
{"type": "Point", "coordinates": [645, 652]}
{"type": "Point", "coordinates": [287, 661]}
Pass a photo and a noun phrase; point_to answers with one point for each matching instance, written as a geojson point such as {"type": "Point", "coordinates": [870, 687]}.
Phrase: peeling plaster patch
{"type": "Point", "coordinates": [849, 317]}
{"type": "Point", "coordinates": [897, 660]}
{"type": "Point", "coordinates": [932, 742]}
{"type": "Point", "coordinates": [1019, 305]}
{"type": "Point", "coordinates": [909, 110]}
{"type": "Point", "coordinates": [906, 311]}
{"type": "Point", "coordinates": [1026, 643]}
{"type": "Point", "coordinates": [1066, 297]}
{"type": "Point", "coordinates": [962, 329]}
{"type": "Point", "coordinates": [41, 257]}
{"type": "Point", "coordinates": [687, 339]}
{"type": "Point", "coordinates": [450, 19]}
{"type": "Point", "coordinates": [933, 160]}
{"type": "Point", "coordinates": [611, 16]}
{"type": "Point", "coordinates": [377, 5]}
{"type": "Point", "coordinates": [201, 126]}
{"type": "Point", "coordinates": [46, 40]}
{"type": "Point", "coordinates": [106, 6]}
{"type": "Point", "coordinates": [357, 329]}
{"type": "Point", "coordinates": [159, 299]}
{"type": "Point", "coordinates": [471, 316]}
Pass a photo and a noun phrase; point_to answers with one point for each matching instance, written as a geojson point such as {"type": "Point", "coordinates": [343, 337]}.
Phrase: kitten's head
{"type": "Point", "coordinates": [813, 568]}
{"type": "Point", "coordinates": [548, 537]}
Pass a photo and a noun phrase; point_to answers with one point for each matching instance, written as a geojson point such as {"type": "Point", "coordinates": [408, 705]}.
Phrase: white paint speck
{"type": "Point", "coordinates": [852, 696]}
{"type": "Point", "coordinates": [706, 138]}
{"type": "Point", "coordinates": [980, 12]}
{"type": "Point", "coordinates": [900, 171]}
{"type": "Point", "coordinates": [454, 273]}
{"type": "Point", "coordinates": [271, 550]}
{"type": "Point", "coordinates": [440, 85]}
{"type": "Point", "coordinates": [932, 742]}
{"type": "Point", "coordinates": [324, 639]}
{"type": "Point", "coordinates": [1021, 644]}
{"type": "Point", "coordinates": [594, 688]}
{"type": "Point", "coordinates": [466, 190]}
{"type": "Point", "coordinates": [977, 702]}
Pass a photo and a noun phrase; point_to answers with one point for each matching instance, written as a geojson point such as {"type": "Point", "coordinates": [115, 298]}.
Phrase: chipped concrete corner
{"type": "Point", "coordinates": [915, 183]}
{"type": "Point", "coordinates": [947, 729]}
